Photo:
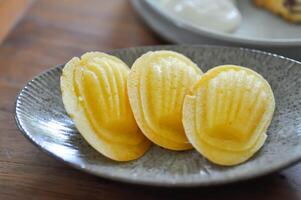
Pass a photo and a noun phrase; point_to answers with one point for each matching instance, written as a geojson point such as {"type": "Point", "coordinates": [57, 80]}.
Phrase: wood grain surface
{"type": "Point", "coordinates": [52, 32]}
{"type": "Point", "coordinates": [10, 12]}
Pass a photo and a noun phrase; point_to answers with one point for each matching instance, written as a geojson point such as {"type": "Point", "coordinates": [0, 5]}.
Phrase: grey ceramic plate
{"type": "Point", "coordinates": [41, 117]}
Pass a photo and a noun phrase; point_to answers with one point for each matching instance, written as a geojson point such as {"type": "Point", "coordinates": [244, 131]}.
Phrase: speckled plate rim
{"type": "Point", "coordinates": [247, 176]}
{"type": "Point", "coordinates": [211, 33]}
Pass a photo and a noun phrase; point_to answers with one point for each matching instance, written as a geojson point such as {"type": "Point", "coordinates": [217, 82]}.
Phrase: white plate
{"type": "Point", "coordinates": [259, 29]}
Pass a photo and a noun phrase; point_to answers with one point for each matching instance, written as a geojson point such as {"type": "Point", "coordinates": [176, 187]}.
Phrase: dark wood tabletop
{"type": "Point", "coordinates": [51, 32]}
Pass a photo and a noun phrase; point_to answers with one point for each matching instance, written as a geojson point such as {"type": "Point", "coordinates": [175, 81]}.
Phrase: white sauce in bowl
{"type": "Point", "coordinates": [219, 15]}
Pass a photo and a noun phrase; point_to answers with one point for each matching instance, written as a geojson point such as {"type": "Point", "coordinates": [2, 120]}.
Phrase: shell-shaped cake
{"type": "Point", "coordinates": [157, 85]}
{"type": "Point", "coordinates": [94, 93]}
{"type": "Point", "coordinates": [227, 112]}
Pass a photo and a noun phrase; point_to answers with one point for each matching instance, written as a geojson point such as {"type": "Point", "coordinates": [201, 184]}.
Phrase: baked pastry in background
{"type": "Point", "coordinates": [288, 9]}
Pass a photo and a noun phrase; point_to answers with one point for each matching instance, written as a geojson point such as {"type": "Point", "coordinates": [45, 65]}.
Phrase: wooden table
{"type": "Point", "coordinates": [52, 32]}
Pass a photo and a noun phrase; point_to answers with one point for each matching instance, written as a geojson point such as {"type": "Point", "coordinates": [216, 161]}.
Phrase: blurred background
{"type": "Point", "coordinates": [69, 27]}
{"type": "Point", "coordinates": [47, 32]}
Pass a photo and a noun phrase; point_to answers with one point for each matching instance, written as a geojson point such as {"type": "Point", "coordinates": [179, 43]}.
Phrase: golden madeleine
{"type": "Point", "coordinates": [94, 93]}
{"type": "Point", "coordinates": [157, 85]}
{"type": "Point", "coordinates": [288, 9]}
{"type": "Point", "coordinates": [227, 113]}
